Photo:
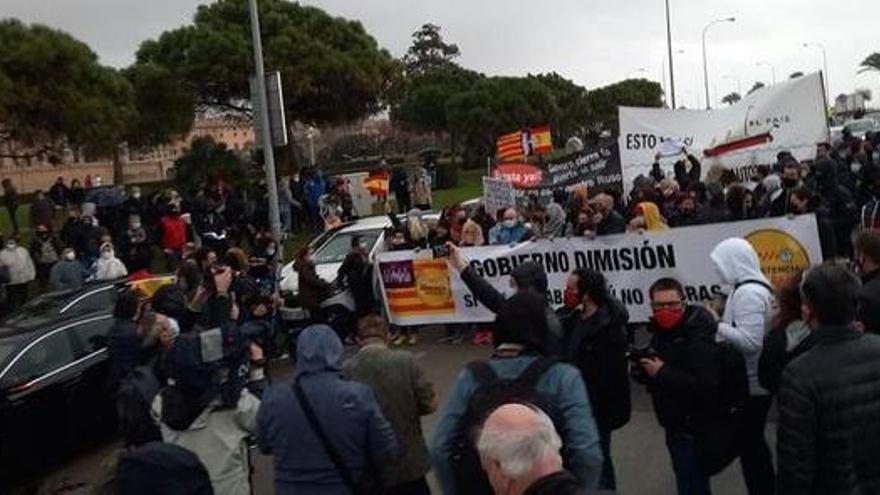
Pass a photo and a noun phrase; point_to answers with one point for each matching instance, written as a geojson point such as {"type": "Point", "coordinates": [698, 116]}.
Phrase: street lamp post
{"type": "Point", "coordinates": [263, 123]}
{"type": "Point", "coordinates": [669, 50]}
{"type": "Point", "coordinates": [663, 65]}
{"type": "Point", "coordinates": [705, 67]}
{"type": "Point", "coordinates": [772, 69]}
{"type": "Point", "coordinates": [824, 66]}
{"type": "Point", "coordinates": [739, 88]}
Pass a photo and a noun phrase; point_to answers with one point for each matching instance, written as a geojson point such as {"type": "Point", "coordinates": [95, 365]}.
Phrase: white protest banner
{"type": "Point", "coordinates": [497, 193]}
{"type": "Point", "coordinates": [789, 116]}
{"type": "Point", "coordinates": [418, 289]}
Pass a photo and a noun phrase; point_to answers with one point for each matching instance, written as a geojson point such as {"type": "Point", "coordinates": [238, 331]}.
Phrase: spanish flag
{"type": "Point", "coordinates": [517, 145]}
{"type": "Point", "coordinates": [541, 140]}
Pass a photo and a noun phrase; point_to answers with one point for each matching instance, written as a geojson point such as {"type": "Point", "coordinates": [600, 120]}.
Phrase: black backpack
{"type": "Point", "coordinates": [133, 402]}
{"type": "Point", "coordinates": [491, 393]}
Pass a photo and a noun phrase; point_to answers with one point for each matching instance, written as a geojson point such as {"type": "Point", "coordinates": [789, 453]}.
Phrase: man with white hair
{"type": "Point", "coordinates": [519, 450]}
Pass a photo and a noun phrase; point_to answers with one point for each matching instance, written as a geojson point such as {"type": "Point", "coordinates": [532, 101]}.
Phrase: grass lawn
{"type": "Point", "coordinates": [23, 216]}
{"type": "Point", "coordinates": [470, 186]}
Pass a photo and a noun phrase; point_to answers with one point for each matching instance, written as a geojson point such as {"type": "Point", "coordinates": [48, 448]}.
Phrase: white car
{"type": "Point", "coordinates": [858, 128]}
{"type": "Point", "coordinates": [331, 247]}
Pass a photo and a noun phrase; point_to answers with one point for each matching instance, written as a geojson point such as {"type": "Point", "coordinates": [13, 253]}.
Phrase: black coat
{"type": "Point", "coordinates": [829, 405]}
{"type": "Point", "coordinates": [686, 389]}
{"type": "Point", "coordinates": [869, 302]}
{"type": "Point", "coordinates": [494, 301]}
{"type": "Point", "coordinates": [613, 223]}
{"type": "Point", "coordinates": [561, 483]}
{"type": "Point", "coordinates": [597, 346]}
{"type": "Point", "coordinates": [124, 351]}
{"type": "Point", "coordinates": [775, 356]}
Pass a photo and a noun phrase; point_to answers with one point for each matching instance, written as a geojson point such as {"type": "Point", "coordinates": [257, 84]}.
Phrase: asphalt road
{"type": "Point", "coordinates": [638, 449]}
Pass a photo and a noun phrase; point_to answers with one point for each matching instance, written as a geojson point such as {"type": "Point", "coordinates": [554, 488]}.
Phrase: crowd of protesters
{"type": "Point", "coordinates": [82, 234]}
{"type": "Point", "coordinates": [188, 367]}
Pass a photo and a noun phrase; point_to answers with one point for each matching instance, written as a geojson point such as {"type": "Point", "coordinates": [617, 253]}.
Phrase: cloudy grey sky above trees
{"type": "Point", "coordinates": [593, 43]}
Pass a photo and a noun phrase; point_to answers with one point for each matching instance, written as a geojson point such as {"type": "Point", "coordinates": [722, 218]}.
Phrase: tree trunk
{"type": "Point", "coordinates": [118, 173]}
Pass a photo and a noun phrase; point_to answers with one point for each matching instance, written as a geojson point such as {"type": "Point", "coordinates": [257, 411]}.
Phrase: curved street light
{"type": "Point", "coordinates": [820, 46]}
{"type": "Point", "coordinates": [772, 68]}
{"type": "Point", "coordinates": [705, 68]}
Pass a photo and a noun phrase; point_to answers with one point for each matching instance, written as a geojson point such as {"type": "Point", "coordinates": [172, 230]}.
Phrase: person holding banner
{"type": "Point", "coordinates": [526, 277]}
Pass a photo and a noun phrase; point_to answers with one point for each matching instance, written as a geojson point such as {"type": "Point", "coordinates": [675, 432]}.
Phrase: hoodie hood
{"type": "Point", "coordinates": [736, 261]}
{"type": "Point", "coordinates": [530, 275]}
{"type": "Point", "coordinates": [318, 350]}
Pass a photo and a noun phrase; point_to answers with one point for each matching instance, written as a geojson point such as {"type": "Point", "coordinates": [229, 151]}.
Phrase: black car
{"type": "Point", "coordinates": [54, 397]}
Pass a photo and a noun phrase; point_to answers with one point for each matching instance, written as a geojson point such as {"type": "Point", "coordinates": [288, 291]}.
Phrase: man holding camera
{"type": "Point", "coordinates": [682, 371]}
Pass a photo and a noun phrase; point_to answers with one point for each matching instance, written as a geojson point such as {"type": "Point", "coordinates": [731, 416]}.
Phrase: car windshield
{"type": "Point", "coordinates": [861, 126]}
{"type": "Point", "coordinates": [335, 249]}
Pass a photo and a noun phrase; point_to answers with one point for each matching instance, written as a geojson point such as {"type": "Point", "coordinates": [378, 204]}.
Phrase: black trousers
{"type": "Point", "coordinates": [756, 460]}
{"type": "Point", "coordinates": [417, 487]}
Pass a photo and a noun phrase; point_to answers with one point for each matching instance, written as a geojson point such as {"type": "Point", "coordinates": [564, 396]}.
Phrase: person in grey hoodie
{"type": "Point", "coordinates": [554, 216]}
{"type": "Point", "coordinates": [348, 414]}
{"type": "Point", "coordinates": [68, 273]}
{"type": "Point", "coordinates": [746, 317]}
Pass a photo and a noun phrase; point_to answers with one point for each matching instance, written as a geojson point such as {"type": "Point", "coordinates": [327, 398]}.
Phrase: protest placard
{"type": "Point", "coordinates": [419, 292]}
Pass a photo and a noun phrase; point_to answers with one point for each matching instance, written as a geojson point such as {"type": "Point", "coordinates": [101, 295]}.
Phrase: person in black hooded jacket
{"type": "Point", "coordinates": [526, 277]}
{"type": "Point", "coordinates": [594, 324]}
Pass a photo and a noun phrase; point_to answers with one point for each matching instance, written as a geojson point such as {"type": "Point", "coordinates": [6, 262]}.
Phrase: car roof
{"type": "Point", "coordinates": [45, 311]}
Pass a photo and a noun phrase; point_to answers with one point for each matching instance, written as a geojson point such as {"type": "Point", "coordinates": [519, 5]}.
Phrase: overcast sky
{"type": "Point", "coordinates": [591, 42]}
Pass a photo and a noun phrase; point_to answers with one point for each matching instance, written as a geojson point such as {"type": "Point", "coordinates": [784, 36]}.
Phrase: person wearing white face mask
{"type": "Point", "coordinates": [68, 273]}
{"type": "Point", "coordinates": [509, 229]}
{"type": "Point", "coordinates": [108, 266]}
{"type": "Point", "coordinates": [21, 271]}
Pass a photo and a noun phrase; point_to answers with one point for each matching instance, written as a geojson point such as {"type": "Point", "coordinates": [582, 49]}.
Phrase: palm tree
{"type": "Point", "coordinates": [731, 98]}
{"type": "Point", "coordinates": [871, 63]}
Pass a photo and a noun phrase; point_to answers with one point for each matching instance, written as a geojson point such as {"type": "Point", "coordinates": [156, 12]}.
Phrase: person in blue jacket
{"type": "Point", "coordinates": [349, 415]}
{"type": "Point", "coordinates": [521, 331]}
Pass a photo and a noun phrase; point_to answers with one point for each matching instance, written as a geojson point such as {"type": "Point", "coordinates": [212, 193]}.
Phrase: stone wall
{"type": "Point", "coordinates": [29, 178]}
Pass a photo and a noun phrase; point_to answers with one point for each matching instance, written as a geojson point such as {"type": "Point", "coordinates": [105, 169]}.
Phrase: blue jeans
{"type": "Point", "coordinates": [689, 476]}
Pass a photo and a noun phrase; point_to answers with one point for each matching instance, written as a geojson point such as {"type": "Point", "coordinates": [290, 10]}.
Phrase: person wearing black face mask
{"type": "Point", "coordinates": [791, 179]}
{"type": "Point", "coordinates": [682, 372]}
{"type": "Point", "coordinates": [594, 326]}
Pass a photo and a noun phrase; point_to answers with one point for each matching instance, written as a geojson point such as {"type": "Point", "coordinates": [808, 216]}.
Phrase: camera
{"type": "Point", "coordinates": [441, 251]}
{"type": "Point", "coordinates": [636, 354]}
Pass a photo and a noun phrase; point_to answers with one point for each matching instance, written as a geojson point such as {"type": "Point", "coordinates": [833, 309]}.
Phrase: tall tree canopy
{"type": "Point", "coordinates": [431, 77]}
{"type": "Point", "coordinates": [496, 105]}
{"type": "Point", "coordinates": [603, 102]}
{"type": "Point", "coordinates": [332, 70]}
{"type": "Point", "coordinates": [573, 112]}
{"type": "Point", "coordinates": [53, 92]}
{"type": "Point", "coordinates": [428, 51]}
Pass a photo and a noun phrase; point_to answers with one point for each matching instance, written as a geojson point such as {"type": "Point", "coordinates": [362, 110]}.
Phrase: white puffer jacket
{"type": "Point", "coordinates": [749, 307]}
{"type": "Point", "coordinates": [20, 264]}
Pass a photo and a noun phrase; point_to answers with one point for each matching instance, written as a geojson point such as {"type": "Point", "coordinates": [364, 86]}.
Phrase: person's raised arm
{"type": "Point", "coordinates": [484, 292]}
